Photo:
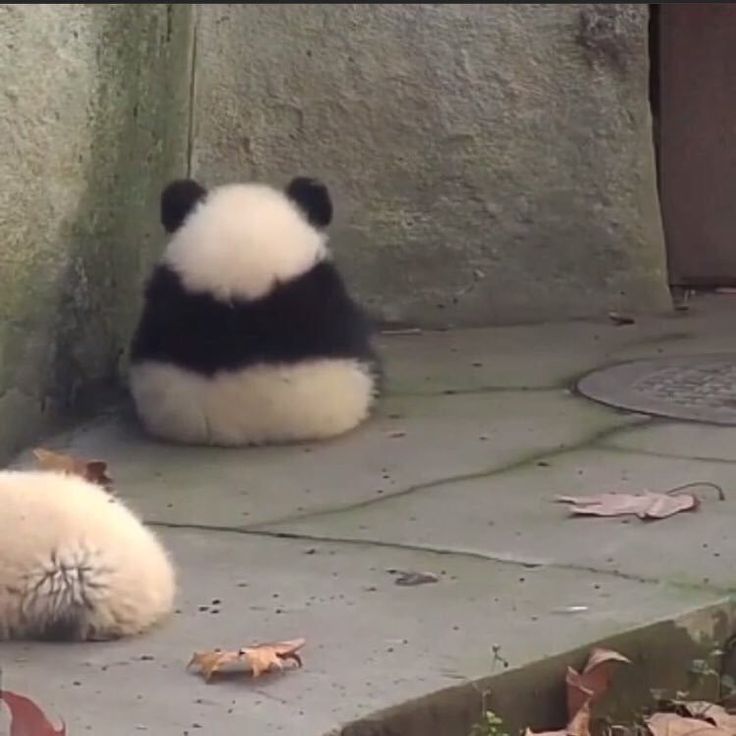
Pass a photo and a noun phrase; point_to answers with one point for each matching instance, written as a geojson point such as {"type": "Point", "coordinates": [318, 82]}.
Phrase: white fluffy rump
{"type": "Point", "coordinates": [75, 563]}
{"type": "Point", "coordinates": [311, 400]}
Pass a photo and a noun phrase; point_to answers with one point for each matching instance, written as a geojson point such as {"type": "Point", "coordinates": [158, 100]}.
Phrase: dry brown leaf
{"type": "Point", "coordinates": [586, 689]}
{"type": "Point", "coordinates": [645, 505]}
{"type": "Point", "coordinates": [620, 319]}
{"type": "Point", "coordinates": [672, 724]}
{"type": "Point", "coordinates": [208, 663]}
{"type": "Point", "coordinates": [583, 690]}
{"type": "Point", "coordinates": [712, 712]}
{"type": "Point", "coordinates": [599, 657]}
{"type": "Point", "coordinates": [580, 724]}
{"type": "Point", "coordinates": [27, 719]}
{"type": "Point", "coordinates": [605, 504]}
{"type": "Point", "coordinates": [255, 660]}
{"type": "Point", "coordinates": [664, 505]}
{"type": "Point", "coordinates": [577, 694]}
{"type": "Point", "coordinates": [410, 578]}
{"type": "Point", "coordinates": [94, 471]}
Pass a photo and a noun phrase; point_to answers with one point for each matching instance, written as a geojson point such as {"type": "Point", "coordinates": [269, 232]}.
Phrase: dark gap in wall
{"type": "Point", "coordinates": [192, 89]}
{"type": "Point", "coordinates": [679, 295]}
{"type": "Point", "coordinates": [654, 11]}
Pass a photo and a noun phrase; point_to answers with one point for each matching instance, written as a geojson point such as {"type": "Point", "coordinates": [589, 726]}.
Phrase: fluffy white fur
{"type": "Point", "coordinates": [312, 400]}
{"type": "Point", "coordinates": [241, 239]}
{"type": "Point", "coordinates": [71, 553]}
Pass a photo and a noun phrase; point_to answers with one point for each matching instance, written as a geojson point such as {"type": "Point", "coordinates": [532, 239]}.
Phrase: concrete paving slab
{"type": "Point", "coordinates": [453, 476]}
{"type": "Point", "coordinates": [678, 439]}
{"type": "Point", "coordinates": [440, 437]}
{"type": "Point", "coordinates": [522, 357]}
{"type": "Point", "coordinates": [548, 355]}
{"type": "Point", "coordinates": [371, 644]}
{"type": "Point", "coordinates": [676, 345]}
{"type": "Point", "coordinates": [510, 516]}
{"type": "Point", "coordinates": [531, 356]}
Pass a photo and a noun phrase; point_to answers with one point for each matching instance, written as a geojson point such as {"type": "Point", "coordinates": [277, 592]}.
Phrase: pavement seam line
{"type": "Point", "coordinates": [663, 455]}
{"type": "Point", "coordinates": [450, 480]}
{"type": "Point", "coordinates": [441, 552]}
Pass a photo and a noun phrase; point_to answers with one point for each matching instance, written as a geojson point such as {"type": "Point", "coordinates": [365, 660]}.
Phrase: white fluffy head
{"type": "Point", "coordinates": [242, 239]}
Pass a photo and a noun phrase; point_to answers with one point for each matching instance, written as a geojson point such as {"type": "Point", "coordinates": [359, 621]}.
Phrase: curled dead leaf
{"type": "Point", "coordinates": [26, 718]}
{"type": "Point", "coordinates": [94, 471]}
{"type": "Point", "coordinates": [410, 578]}
{"type": "Point", "coordinates": [577, 694]}
{"type": "Point", "coordinates": [620, 319]}
{"type": "Point", "coordinates": [711, 712]}
{"type": "Point", "coordinates": [580, 724]}
{"type": "Point", "coordinates": [255, 660]}
{"type": "Point", "coordinates": [663, 505]}
{"type": "Point", "coordinates": [586, 688]}
{"type": "Point", "coordinates": [646, 505]}
{"type": "Point", "coordinates": [672, 724]}
{"type": "Point", "coordinates": [600, 657]}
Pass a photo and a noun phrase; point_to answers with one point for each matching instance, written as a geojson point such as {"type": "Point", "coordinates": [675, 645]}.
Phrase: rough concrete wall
{"type": "Point", "coordinates": [491, 163]}
{"type": "Point", "coordinates": [93, 117]}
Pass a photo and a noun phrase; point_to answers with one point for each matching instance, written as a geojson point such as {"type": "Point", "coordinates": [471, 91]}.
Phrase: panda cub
{"type": "Point", "coordinates": [77, 564]}
{"type": "Point", "coordinates": [248, 335]}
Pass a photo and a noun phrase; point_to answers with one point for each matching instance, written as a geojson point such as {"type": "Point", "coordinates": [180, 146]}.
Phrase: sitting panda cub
{"type": "Point", "coordinates": [248, 335]}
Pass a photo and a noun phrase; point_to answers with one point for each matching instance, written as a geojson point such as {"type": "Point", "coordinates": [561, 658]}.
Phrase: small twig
{"type": "Point", "coordinates": [694, 484]}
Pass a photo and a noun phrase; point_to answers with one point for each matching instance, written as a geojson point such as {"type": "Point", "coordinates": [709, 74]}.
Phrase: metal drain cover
{"type": "Point", "coordinates": [696, 387]}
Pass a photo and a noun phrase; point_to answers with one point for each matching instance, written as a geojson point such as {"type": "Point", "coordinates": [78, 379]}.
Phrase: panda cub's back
{"type": "Point", "coordinates": [248, 334]}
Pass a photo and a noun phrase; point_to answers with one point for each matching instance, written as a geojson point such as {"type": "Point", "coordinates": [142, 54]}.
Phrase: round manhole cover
{"type": "Point", "coordinates": [697, 387]}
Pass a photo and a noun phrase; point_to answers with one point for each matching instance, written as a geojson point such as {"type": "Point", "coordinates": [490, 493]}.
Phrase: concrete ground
{"type": "Point", "coordinates": [453, 476]}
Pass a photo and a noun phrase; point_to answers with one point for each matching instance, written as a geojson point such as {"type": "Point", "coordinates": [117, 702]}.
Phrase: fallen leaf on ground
{"type": "Point", "coordinates": [409, 577]}
{"type": "Point", "coordinates": [26, 718]}
{"type": "Point", "coordinates": [645, 505]}
{"type": "Point", "coordinates": [255, 660]}
{"type": "Point", "coordinates": [717, 714]}
{"type": "Point", "coordinates": [672, 724]}
{"type": "Point", "coordinates": [580, 724]}
{"type": "Point", "coordinates": [94, 471]}
{"type": "Point", "coordinates": [620, 319]}
{"type": "Point", "coordinates": [577, 693]}
{"type": "Point", "coordinates": [585, 689]}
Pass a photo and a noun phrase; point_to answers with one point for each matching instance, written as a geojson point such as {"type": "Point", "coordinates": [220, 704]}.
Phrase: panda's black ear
{"type": "Point", "coordinates": [313, 199]}
{"type": "Point", "coordinates": [178, 200]}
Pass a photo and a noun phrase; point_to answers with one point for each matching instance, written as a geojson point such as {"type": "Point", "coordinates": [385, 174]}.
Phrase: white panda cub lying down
{"type": "Point", "coordinates": [75, 563]}
{"type": "Point", "coordinates": [248, 335]}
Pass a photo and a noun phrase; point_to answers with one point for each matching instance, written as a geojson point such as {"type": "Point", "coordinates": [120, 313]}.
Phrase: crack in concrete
{"type": "Point", "coordinates": [663, 455]}
{"type": "Point", "coordinates": [191, 122]}
{"type": "Point", "coordinates": [655, 340]}
{"type": "Point", "coordinates": [477, 390]}
{"type": "Point", "coordinates": [533, 457]}
{"type": "Point", "coordinates": [513, 561]}
{"type": "Point", "coordinates": [607, 358]}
